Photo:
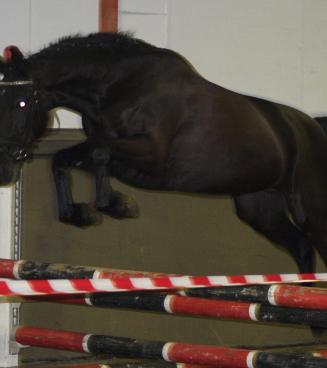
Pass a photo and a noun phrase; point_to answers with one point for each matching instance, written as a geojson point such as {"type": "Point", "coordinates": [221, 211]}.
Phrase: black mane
{"type": "Point", "coordinates": [121, 42]}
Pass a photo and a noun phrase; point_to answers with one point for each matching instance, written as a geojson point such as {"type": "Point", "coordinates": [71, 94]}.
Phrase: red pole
{"type": "Point", "coordinates": [108, 15]}
{"type": "Point", "coordinates": [32, 270]}
{"type": "Point", "coordinates": [137, 365]}
{"type": "Point", "coordinates": [53, 339]}
{"type": "Point", "coordinates": [298, 297]}
{"type": "Point", "coordinates": [119, 347]}
{"type": "Point", "coordinates": [7, 268]}
{"type": "Point", "coordinates": [132, 348]}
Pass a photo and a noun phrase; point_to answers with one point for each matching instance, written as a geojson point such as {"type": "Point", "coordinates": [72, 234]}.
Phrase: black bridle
{"type": "Point", "coordinates": [13, 149]}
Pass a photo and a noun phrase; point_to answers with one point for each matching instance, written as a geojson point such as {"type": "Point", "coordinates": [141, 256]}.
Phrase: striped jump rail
{"type": "Point", "coordinates": [122, 280]}
{"type": "Point", "coordinates": [312, 298]}
{"type": "Point", "coordinates": [31, 270]}
{"type": "Point", "coordinates": [122, 347]}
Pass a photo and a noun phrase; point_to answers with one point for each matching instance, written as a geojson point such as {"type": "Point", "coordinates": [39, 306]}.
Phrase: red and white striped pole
{"type": "Point", "coordinates": [29, 270]}
{"type": "Point", "coordinates": [120, 280]}
{"type": "Point", "coordinates": [80, 286]}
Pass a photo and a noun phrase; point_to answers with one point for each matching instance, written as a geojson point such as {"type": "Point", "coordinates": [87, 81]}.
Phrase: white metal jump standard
{"type": "Point", "coordinates": [10, 218]}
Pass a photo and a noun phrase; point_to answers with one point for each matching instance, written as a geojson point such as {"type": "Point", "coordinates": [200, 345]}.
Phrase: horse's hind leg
{"type": "Point", "coordinates": [311, 199]}
{"type": "Point", "coordinates": [267, 213]}
{"type": "Point", "coordinates": [317, 219]}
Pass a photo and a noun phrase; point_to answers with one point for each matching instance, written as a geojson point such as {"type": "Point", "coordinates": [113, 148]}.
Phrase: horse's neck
{"type": "Point", "coordinates": [68, 85]}
{"type": "Point", "coordinates": [81, 87]}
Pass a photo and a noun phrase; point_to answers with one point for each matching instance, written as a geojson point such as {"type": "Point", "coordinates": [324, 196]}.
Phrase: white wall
{"type": "Point", "coordinates": [148, 19]}
{"type": "Point", "coordinates": [50, 20]}
{"type": "Point", "coordinates": [31, 24]}
{"type": "Point", "coordinates": [271, 48]}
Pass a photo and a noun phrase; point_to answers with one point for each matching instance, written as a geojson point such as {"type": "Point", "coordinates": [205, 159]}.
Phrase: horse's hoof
{"type": "Point", "coordinates": [81, 215]}
{"type": "Point", "coordinates": [121, 206]}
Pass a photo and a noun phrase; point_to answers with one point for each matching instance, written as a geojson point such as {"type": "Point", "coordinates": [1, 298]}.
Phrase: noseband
{"type": "Point", "coordinates": [16, 151]}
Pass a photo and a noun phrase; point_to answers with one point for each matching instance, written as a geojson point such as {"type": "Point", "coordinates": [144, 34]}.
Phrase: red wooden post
{"type": "Point", "coordinates": [108, 15]}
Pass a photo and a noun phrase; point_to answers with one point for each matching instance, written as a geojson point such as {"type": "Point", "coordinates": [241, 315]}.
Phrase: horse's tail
{"type": "Point", "coordinates": [322, 120]}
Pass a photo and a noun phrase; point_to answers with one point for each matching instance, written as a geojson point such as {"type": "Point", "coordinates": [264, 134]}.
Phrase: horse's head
{"type": "Point", "coordinates": [22, 116]}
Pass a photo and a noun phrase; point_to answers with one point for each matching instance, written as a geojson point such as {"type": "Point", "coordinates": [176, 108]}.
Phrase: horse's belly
{"type": "Point", "coordinates": [226, 169]}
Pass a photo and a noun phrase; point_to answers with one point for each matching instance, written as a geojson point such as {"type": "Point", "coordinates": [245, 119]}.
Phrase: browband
{"type": "Point", "coordinates": [16, 83]}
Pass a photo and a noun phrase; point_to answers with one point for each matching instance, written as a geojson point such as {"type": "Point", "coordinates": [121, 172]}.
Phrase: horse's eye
{"type": "Point", "coordinates": [22, 104]}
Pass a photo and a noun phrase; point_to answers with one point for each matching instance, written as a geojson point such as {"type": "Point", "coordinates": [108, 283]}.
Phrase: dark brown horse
{"type": "Point", "coordinates": [153, 122]}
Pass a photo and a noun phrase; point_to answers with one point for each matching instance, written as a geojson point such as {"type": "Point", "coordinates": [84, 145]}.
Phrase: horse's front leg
{"type": "Point", "coordinates": [109, 201]}
{"type": "Point", "coordinates": [79, 214]}
{"type": "Point", "coordinates": [94, 160]}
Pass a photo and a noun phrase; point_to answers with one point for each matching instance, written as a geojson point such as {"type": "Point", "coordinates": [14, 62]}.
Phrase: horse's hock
{"type": "Point", "coordinates": [175, 234]}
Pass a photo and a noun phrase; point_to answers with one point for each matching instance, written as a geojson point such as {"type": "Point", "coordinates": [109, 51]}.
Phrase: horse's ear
{"type": "Point", "coordinates": [13, 54]}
